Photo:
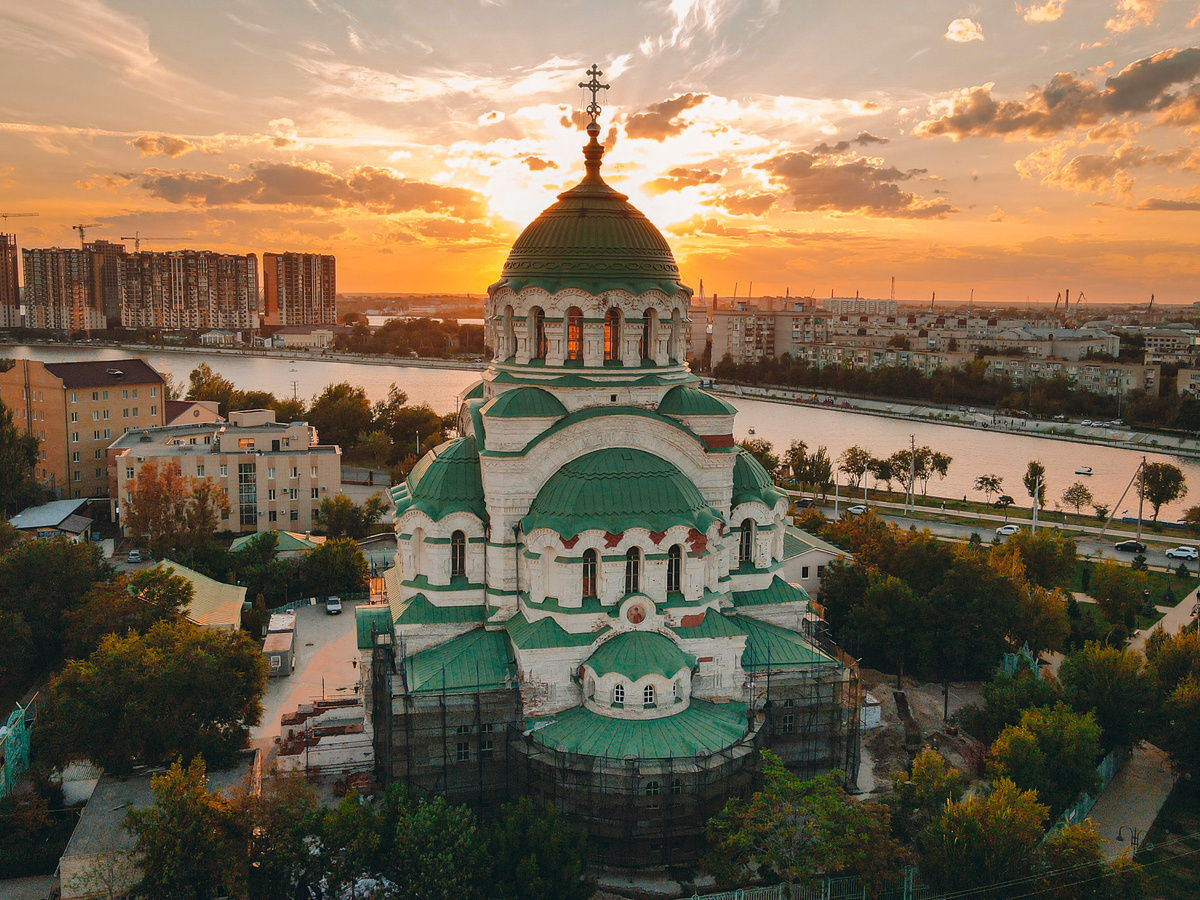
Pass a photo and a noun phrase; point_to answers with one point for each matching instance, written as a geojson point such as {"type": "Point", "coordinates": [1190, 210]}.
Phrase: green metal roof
{"type": "Point", "coordinates": [596, 377]}
{"type": "Point", "coordinates": [636, 654]}
{"type": "Point", "coordinates": [779, 591]}
{"type": "Point", "coordinates": [796, 541]}
{"type": "Point", "coordinates": [526, 402]}
{"type": "Point", "coordinates": [446, 480]}
{"type": "Point", "coordinates": [546, 633]}
{"type": "Point", "coordinates": [479, 658]}
{"type": "Point", "coordinates": [593, 238]}
{"type": "Point", "coordinates": [369, 621]}
{"type": "Point", "coordinates": [686, 400]}
{"type": "Point", "coordinates": [475, 393]}
{"type": "Point", "coordinates": [751, 481]}
{"type": "Point", "coordinates": [616, 489]}
{"type": "Point", "coordinates": [703, 726]}
{"type": "Point", "coordinates": [418, 610]}
{"type": "Point", "coordinates": [771, 646]}
{"type": "Point", "coordinates": [713, 625]}
{"type": "Point", "coordinates": [287, 541]}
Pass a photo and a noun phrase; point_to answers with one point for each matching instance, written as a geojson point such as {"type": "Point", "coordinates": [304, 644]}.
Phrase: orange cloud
{"type": "Point", "coordinates": [661, 120]}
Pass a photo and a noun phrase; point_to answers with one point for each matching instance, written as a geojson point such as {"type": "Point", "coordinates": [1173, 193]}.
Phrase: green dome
{"type": "Point", "coordinates": [636, 654]}
{"type": "Point", "coordinates": [616, 489]}
{"type": "Point", "coordinates": [594, 239]}
{"type": "Point", "coordinates": [526, 402]}
{"type": "Point", "coordinates": [446, 480]}
{"type": "Point", "coordinates": [685, 400]}
{"type": "Point", "coordinates": [751, 482]}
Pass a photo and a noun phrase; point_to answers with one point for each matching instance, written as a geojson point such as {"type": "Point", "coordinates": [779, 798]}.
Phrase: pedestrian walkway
{"type": "Point", "coordinates": [1173, 622]}
{"type": "Point", "coordinates": [1130, 804]}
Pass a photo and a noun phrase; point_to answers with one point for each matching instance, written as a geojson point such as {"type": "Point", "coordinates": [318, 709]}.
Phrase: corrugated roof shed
{"type": "Point", "coordinates": [48, 515]}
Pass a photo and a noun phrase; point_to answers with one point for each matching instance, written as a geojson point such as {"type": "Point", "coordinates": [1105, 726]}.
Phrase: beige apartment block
{"type": "Point", "coordinates": [274, 474]}
{"type": "Point", "coordinates": [76, 410]}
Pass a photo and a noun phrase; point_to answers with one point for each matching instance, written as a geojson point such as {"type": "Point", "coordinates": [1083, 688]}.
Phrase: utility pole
{"type": "Point", "coordinates": [1141, 497]}
{"type": "Point", "coordinates": [1037, 497]}
{"type": "Point", "coordinates": [912, 474]}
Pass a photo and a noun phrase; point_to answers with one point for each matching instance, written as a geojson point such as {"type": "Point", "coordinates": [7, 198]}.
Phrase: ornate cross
{"type": "Point", "coordinates": [593, 108]}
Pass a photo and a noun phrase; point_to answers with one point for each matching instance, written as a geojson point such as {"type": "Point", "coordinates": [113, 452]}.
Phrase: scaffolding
{"type": "Point", "coordinates": [14, 745]}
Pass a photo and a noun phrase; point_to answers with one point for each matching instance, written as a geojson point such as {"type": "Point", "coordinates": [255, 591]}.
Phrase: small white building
{"type": "Point", "coordinates": [805, 557]}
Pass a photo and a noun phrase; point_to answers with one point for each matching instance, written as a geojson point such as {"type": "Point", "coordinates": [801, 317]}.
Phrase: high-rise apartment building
{"type": "Point", "coordinates": [63, 289]}
{"type": "Point", "coordinates": [299, 289]}
{"type": "Point", "coordinates": [190, 290]}
{"type": "Point", "coordinates": [10, 293]}
{"type": "Point", "coordinates": [112, 258]}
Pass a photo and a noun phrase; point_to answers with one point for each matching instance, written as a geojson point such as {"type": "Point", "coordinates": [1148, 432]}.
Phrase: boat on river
{"type": "Point", "coordinates": [1084, 470]}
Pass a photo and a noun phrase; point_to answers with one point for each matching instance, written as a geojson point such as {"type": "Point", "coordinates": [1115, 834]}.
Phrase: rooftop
{"type": "Point", "coordinates": [701, 728]}
{"type": "Point", "coordinates": [48, 515]}
{"type": "Point", "coordinates": [636, 654]}
{"type": "Point", "coordinates": [104, 373]}
{"type": "Point", "coordinates": [215, 604]}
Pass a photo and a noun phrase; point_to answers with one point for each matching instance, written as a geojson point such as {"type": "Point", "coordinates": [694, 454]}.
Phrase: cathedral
{"type": "Point", "coordinates": [587, 603]}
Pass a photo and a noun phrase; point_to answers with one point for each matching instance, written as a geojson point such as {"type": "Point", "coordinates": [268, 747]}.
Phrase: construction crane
{"type": "Point", "coordinates": [137, 240]}
{"type": "Point", "coordinates": [81, 229]}
{"type": "Point", "coordinates": [7, 216]}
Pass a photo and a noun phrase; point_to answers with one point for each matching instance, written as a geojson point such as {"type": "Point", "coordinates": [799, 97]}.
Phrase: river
{"type": "Point", "coordinates": [975, 451]}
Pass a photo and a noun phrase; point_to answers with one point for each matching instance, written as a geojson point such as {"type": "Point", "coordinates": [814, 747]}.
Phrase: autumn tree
{"type": "Point", "coordinates": [1035, 482]}
{"type": "Point", "coordinates": [169, 513]}
{"type": "Point", "coordinates": [1049, 556]}
{"type": "Point", "coordinates": [1077, 496]}
{"type": "Point", "coordinates": [1053, 751]}
{"type": "Point", "coordinates": [129, 602]}
{"type": "Point", "coordinates": [989, 485]}
{"type": "Point", "coordinates": [1117, 589]}
{"type": "Point", "coordinates": [764, 452]}
{"type": "Point", "coordinates": [1161, 483]}
{"type": "Point", "coordinates": [1005, 698]}
{"type": "Point", "coordinates": [920, 794]}
{"type": "Point", "coordinates": [280, 828]}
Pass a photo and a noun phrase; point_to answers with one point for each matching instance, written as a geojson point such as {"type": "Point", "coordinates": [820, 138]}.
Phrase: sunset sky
{"type": "Point", "coordinates": [1016, 149]}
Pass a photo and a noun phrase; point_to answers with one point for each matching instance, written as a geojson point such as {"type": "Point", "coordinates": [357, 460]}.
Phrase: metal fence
{"type": "Point", "coordinates": [1107, 770]}
{"type": "Point", "coordinates": [849, 887]}
{"type": "Point", "coordinates": [14, 745]}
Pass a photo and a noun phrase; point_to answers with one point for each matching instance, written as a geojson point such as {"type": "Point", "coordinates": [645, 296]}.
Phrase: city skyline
{"type": "Point", "coordinates": [1015, 150]}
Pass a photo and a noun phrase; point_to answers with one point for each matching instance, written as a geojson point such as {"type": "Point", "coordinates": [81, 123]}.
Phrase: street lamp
{"type": "Point", "coordinates": [1135, 835]}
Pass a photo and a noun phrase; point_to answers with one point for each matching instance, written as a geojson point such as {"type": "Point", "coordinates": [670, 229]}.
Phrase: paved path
{"type": "Point", "coordinates": [1173, 622]}
{"type": "Point", "coordinates": [1133, 798]}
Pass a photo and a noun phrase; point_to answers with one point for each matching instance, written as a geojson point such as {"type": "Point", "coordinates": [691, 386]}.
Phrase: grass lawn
{"type": "Point", "coordinates": [1173, 863]}
{"type": "Point", "coordinates": [1159, 583]}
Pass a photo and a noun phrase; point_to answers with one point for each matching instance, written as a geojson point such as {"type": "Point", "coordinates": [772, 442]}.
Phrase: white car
{"type": "Point", "coordinates": [1006, 530]}
{"type": "Point", "coordinates": [856, 510]}
{"type": "Point", "coordinates": [1183, 553]}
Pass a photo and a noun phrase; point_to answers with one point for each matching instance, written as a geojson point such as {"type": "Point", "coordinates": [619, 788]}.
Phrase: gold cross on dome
{"type": "Point", "coordinates": [593, 108]}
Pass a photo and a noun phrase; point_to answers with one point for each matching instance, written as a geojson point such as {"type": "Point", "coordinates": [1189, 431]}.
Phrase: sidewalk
{"type": "Point", "coordinates": [1173, 622]}
{"type": "Point", "coordinates": [1133, 798]}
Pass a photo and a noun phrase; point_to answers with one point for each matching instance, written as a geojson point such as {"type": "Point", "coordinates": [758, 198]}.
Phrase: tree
{"type": "Point", "coordinates": [819, 472]}
{"type": "Point", "coordinates": [336, 567]}
{"type": "Point", "coordinates": [892, 623]}
{"type": "Point", "coordinates": [1192, 518]}
{"type": "Point", "coordinates": [169, 513]}
{"type": "Point", "coordinates": [794, 830]}
{"type": "Point", "coordinates": [1035, 482]}
{"type": "Point", "coordinates": [1117, 589]}
{"type": "Point", "coordinates": [534, 855]}
{"type": "Point", "coordinates": [176, 691]}
{"type": "Point", "coordinates": [18, 456]}
{"type": "Point", "coordinates": [1179, 730]}
{"type": "Point", "coordinates": [796, 459]}
{"type": "Point", "coordinates": [1109, 682]}
{"type": "Point", "coordinates": [1161, 483]}
{"type": "Point", "coordinates": [939, 465]}
{"type": "Point", "coordinates": [436, 851]}
{"type": "Point", "coordinates": [855, 461]}
{"type": "Point", "coordinates": [339, 516]}
{"type": "Point", "coordinates": [1077, 496]}
{"type": "Point", "coordinates": [883, 470]}
{"type": "Point", "coordinates": [127, 603]}
{"type": "Point", "coordinates": [920, 795]}
{"type": "Point", "coordinates": [340, 414]}
{"type": "Point", "coordinates": [1005, 698]}
{"type": "Point", "coordinates": [184, 842]}
{"type": "Point", "coordinates": [1052, 751]}
{"type": "Point", "coordinates": [205, 384]}
{"type": "Point", "coordinates": [764, 452]}
{"type": "Point", "coordinates": [1004, 501]}
{"type": "Point", "coordinates": [280, 827]}
{"type": "Point", "coordinates": [1049, 556]}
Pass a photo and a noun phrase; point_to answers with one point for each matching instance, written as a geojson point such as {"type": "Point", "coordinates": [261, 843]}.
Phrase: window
{"type": "Point", "coordinates": [248, 494]}
{"type": "Point", "coordinates": [458, 555]}
{"type": "Point", "coordinates": [612, 335]}
{"type": "Point", "coordinates": [295, 516]}
{"type": "Point", "coordinates": [125, 394]}
{"type": "Point", "coordinates": [820, 571]}
{"type": "Point", "coordinates": [272, 515]}
{"type": "Point", "coordinates": [787, 723]}
{"type": "Point", "coordinates": [99, 454]}
{"type": "Point", "coordinates": [652, 789]}
{"type": "Point", "coordinates": [746, 543]}
{"type": "Point", "coordinates": [154, 410]}
{"type": "Point", "coordinates": [223, 470]}
{"type": "Point", "coordinates": [107, 434]}
{"type": "Point", "coordinates": [648, 695]}
{"type": "Point", "coordinates": [462, 751]}
{"type": "Point", "coordinates": [95, 415]}
{"type": "Point", "coordinates": [574, 333]}
{"type": "Point", "coordinates": [95, 395]}
{"type": "Point", "coordinates": [135, 393]}
{"type": "Point", "coordinates": [199, 470]}
{"type": "Point", "coordinates": [295, 472]}
{"type": "Point", "coordinates": [486, 750]}
{"type": "Point", "coordinates": [105, 416]}
{"type": "Point", "coordinates": [537, 333]}
{"type": "Point", "coordinates": [104, 395]}
{"type": "Point", "coordinates": [135, 412]}
{"type": "Point", "coordinates": [245, 443]}
{"type": "Point", "coordinates": [99, 472]}
{"type": "Point", "coordinates": [95, 435]}
{"type": "Point", "coordinates": [270, 471]}
{"type": "Point", "coordinates": [674, 568]}
{"type": "Point", "coordinates": [78, 476]}
{"type": "Point", "coordinates": [270, 493]}
{"type": "Point", "coordinates": [618, 693]}
{"type": "Point", "coordinates": [590, 559]}
{"type": "Point", "coordinates": [313, 471]}
{"type": "Point", "coordinates": [293, 493]}
{"type": "Point", "coordinates": [75, 456]}
{"type": "Point", "coordinates": [804, 571]}
{"type": "Point", "coordinates": [649, 334]}
{"type": "Point", "coordinates": [74, 397]}
{"type": "Point", "coordinates": [676, 786]}
{"type": "Point", "coordinates": [129, 471]}
{"type": "Point", "coordinates": [74, 437]}
{"type": "Point", "coordinates": [153, 392]}
{"type": "Point", "coordinates": [316, 494]}
{"type": "Point", "coordinates": [125, 413]}
{"type": "Point", "coordinates": [633, 570]}
{"type": "Point", "coordinates": [74, 417]}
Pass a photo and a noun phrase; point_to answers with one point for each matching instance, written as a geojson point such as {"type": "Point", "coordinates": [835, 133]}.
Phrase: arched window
{"type": "Point", "coordinates": [590, 563]}
{"type": "Point", "coordinates": [618, 693]}
{"type": "Point", "coordinates": [676, 691]}
{"type": "Point", "coordinates": [674, 568]}
{"type": "Point", "coordinates": [418, 548]}
{"type": "Point", "coordinates": [510, 343]}
{"type": "Point", "coordinates": [652, 789]}
{"type": "Point", "coordinates": [633, 570]}
{"type": "Point", "coordinates": [612, 335]}
{"type": "Point", "coordinates": [648, 695]}
{"type": "Point", "coordinates": [574, 333]}
{"type": "Point", "coordinates": [537, 333]}
{"type": "Point", "coordinates": [746, 544]}
{"type": "Point", "coordinates": [458, 555]}
{"type": "Point", "coordinates": [675, 341]}
{"type": "Point", "coordinates": [649, 333]}
{"type": "Point", "coordinates": [676, 786]}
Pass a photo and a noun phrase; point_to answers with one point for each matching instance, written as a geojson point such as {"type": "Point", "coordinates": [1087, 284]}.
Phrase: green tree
{"type": "Point", "coordinates": [1117, 589]}
{"type": "Point", "coordinates": [883, 470]}
{"type": "Point", "coordinates": [819, 472]}
{"type": "Point", "coordinates": [185, 844]}
{"type": "Point", "coordinates": [1191, 518]}
{"type": "Point", "coordinates": [892, 623]}
{"type": "Point", "coordinates": [169, 513]}
{"type": "Point", "coordinates": [339, 516]}
{"type": "Point", "coordinates": [336, 567]}
{"type": "Point", "coordinates": [1161, 483]}
{"type": "Point", "coordinates": [128, 602]}
{"type": "Point", "coordinates": [1077, 496]}
{"type": "Point", "coordinates": [1052, 751]}
{"type": "Point", "coordinates": [280, 827]}
{"type": "Point", "coordinates": [1005, 698]}
{"type": "Point", "coordinates": [764, 452]}
{"type": "Point", "coordinates": [1049, 556]}
{"type": "Point", "coordinates": [855, 461]}
{"type": "Point", "coordinates": [205, 384]}
{"type": "Point", "coordinates": [1109, 682]}
{"type": "Point", "coordinates": [989, 485]}
{"type": "Point", "coordinates": [436, 852]}
{"type": "Point", "coordinates": [796, 459]}
{"type": "Point", "coordinates": [1035, 482]}
{"type": "Point", "coordinates": [176, 691]}
{"type": "Point", "coordinates": [340, 414]}
{"type": "Point", "coordinates": [534, 855]}
{"type": "Point", "coordinates": [920, 795]}
{"type": "Point", "coordinates": [18, 456]}
{"type": "Point", "coordinates": [1178, 732]}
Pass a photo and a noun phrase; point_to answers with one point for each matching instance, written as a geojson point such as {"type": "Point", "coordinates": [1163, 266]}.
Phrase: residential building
{"type": "Point", "coordinates": [10, 291]}
{"type": "Point", "coordinates": [192, 290]}
{"type": "Point", "coordinates": [274, 474]}
{"type": "Point", "coordinates": [840, 306]}
{"type": "Point", "coordinates": [805, 557]}
{"type": "Point", "coordinates": [299, 289]}
{"type": "Point", "coordinates": [215, 605]}
{"type": "Point", "coordinates": [1109, 379]}
{"type": "Point", "coordinates": [1187, 382]}
{"type": "Point", "coordinates": [191, 412]}
{"type": "Point", "coordinates": [63, 289]}
{"type": "Point", "coordinates": [76, 410]}
{"type": "Point", "coordinates": [306, 337]}
{"type": "Point", "coordinates": [111, 257]}
{"type": "Point", "coordinates": [752, 330]}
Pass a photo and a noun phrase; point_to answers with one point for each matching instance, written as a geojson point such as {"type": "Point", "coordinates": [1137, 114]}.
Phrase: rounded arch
{"type": "Point", "coordinates": [675, 569]}
{"type": "Point", "coordinates": [458, 554]}
{"type": "Point", "coordinates": [591, 573]}
{"type": "Point", "coordinates": [537, 333]}
{"type": "Point", "coordinates": [633, 571]}
{"type": "Point", "coordinates": [612, 335]}
{"type": "Point", "coordinates": [509, 350]}
{"type": "Point", "coordinates": [575, 333]}
{"type": "Point", "coordinates": [746, 533]}
{"type": "Point", "coordinates": [675, 342]}
{"type": "Point", "coordinates": [649, 334]}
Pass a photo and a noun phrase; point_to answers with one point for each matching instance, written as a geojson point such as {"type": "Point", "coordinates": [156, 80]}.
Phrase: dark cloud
{"type": "Point", "coordinates": [292, 184]}
{"type": "Point", "coordinates": [679, 178]}
{"type": "Point", "coordinates": [855, 186]}
{"type": "Point", "coordinates": [661, 120]}
{"type": "Point", "coordinates": [536, 163]}
{"type": "Point", "coordinates": [169, 145]}
{"type": "Point", "coordinates": [865, 137]}
{"type": "Point", "coordinates": [1067, 102]}
{"type": "Point", "coordinates": [575, 118]}
{"type": "Point", "coordinates": [1159, 205]}
{"type": "Point", "coordinates": [740, 203]}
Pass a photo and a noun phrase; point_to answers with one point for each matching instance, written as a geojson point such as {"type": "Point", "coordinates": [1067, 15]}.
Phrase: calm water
{"type": "Point", "coordinates": [974, 451]}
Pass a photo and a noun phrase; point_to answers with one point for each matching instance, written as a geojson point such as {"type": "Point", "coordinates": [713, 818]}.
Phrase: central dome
{"type": "Point", "coordinates": [594, 239]}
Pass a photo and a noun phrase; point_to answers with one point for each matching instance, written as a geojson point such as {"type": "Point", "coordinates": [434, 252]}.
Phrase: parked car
{"type": "Point", "coordinates": [804, 503]}
{"type": "Point", "coordinates": [856, 510]}
{"type": "Point", "coordinates": [1130, 547]}
{"type": "Point", "coordinates": [135, 556]}
{"type": "Point", "coordinates": [1183, 553]}
{"type": "Point", "coordinates": [1006, 530]}
{"type": "Point", "coordinates": [333, 606]}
